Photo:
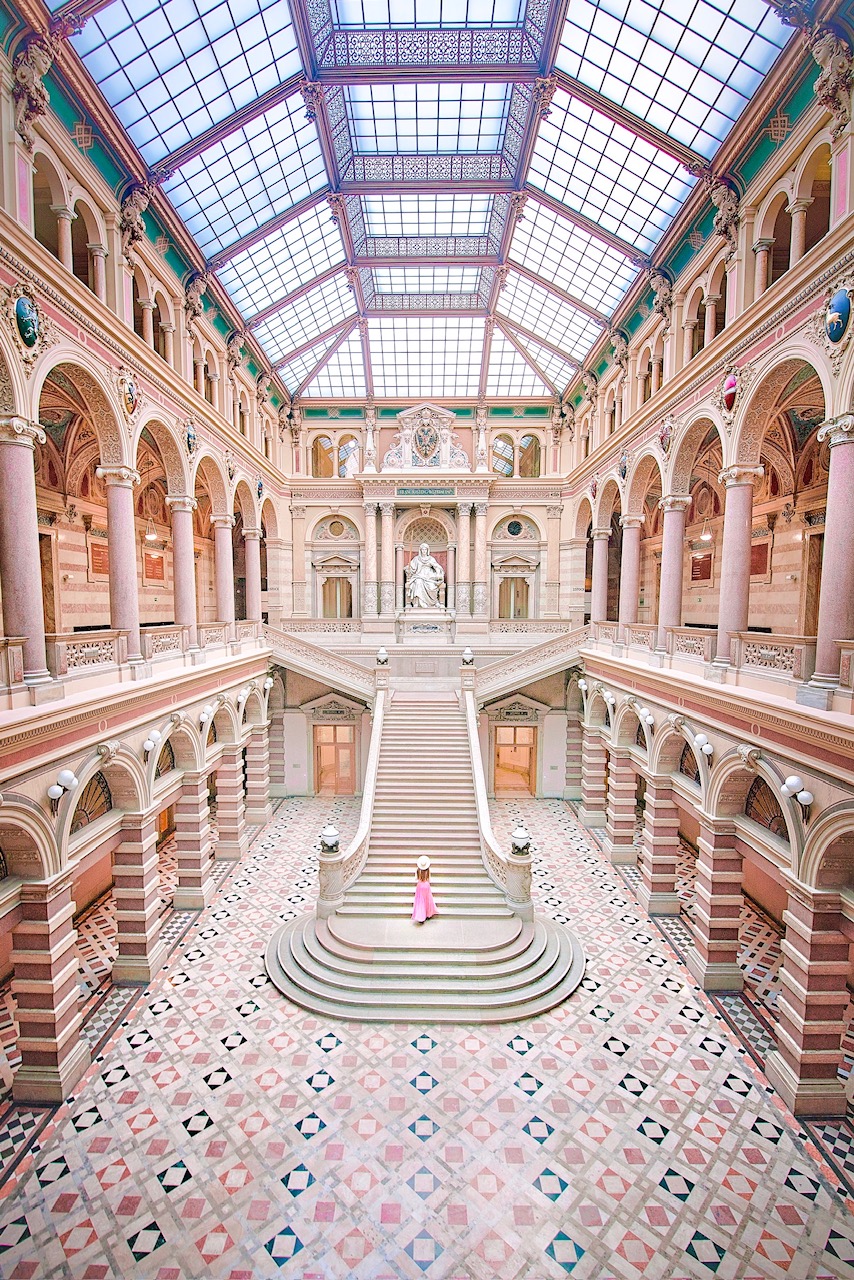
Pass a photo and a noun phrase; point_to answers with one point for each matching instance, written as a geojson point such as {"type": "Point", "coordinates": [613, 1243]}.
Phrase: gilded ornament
{"type": "Point", "coordinates": [27, 318]}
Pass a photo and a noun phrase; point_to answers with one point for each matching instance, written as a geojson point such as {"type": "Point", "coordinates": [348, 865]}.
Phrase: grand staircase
{"type": "Point", "coordinates": [477, 961]}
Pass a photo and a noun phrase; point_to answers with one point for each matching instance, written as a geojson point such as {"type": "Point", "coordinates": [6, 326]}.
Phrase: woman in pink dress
{"type": "Point", "coordinates": [424, 907]}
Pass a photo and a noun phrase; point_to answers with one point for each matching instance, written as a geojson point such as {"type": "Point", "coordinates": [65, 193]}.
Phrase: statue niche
{"type": "Point", "coordinates": [424, 577]}
{"type": "Point", "coordinates": [426, 438]}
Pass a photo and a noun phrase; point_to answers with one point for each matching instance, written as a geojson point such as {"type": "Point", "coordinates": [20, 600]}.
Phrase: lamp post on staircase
{"type": "Point", "coordinates": [330, 875]}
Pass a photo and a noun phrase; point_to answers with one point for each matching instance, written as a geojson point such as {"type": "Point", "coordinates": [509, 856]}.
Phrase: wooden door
{"type": "Point", "coordinates": [335, 759]}
{"type": "Point", "coordinates": [515, 758]}
{"type": "Point", "coordinates": [48, 584]}
{"type": "Point", "coordinates": [815, 550]}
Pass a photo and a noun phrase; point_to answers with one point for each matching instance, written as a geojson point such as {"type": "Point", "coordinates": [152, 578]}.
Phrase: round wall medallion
{"type": "Point", "coordinates": [131, 396]}
{"type": "Point", "coordinates": [730, 391]}
{"type": "Point", "coordinates": [336, 528]}
{"type": "Point", "coordinates": [837, 315]}
{"type": "Point", "coordinates": [27, 318]}
{"type": "Point", "coordinates": [514, 528]}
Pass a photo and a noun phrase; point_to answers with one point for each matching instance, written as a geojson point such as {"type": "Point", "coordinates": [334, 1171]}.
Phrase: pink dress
{"type": "Point", "coordinates": [424, 907]}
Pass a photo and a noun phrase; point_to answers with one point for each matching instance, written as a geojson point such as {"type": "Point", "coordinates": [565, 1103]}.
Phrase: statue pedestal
{"type": "Point", "coordinates": [427, 626]}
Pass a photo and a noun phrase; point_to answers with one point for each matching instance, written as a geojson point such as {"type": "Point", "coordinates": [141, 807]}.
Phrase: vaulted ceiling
{"type": "Point", "coordinates": [427, 198]}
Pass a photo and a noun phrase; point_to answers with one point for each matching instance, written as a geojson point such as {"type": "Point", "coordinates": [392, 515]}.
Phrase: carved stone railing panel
{"type": "Point", "coordinates": [532, 664]}
{"type": "Point", "coordinates": [246, 630]}
{"type": "Point", "coordinates": [787, 657]}
{"type": "Point", "coordinates": [606, 631]}
{"type": "Point", "coordinates": [693, 643]}
{"type": "Point", "coordinates": [163, 642]}
{"type": "Point", "coordinates": [526, 626]}
{"type": "Point", "coordinates": [641, 635]}
{"type": "Point", "coordinates": [325, 626]}
{"type": "Point", "coordinates": [846, 664]}
{"type": "Point", "coordinates": [78, 653]}
{"type": "Point", "coordinates": [11, 662]}
{"type": "Point", "coordinates": [319, 664]}
{"type": "Point", "coordinates": [212, 634]}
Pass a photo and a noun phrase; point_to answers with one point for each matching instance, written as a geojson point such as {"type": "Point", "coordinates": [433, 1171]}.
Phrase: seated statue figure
{"type": "Point", "coordinates": [424, 576]}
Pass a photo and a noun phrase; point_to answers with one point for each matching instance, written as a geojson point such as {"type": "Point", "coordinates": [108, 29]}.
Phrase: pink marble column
{"type": "Point", "coordinates": [193, 844]}
{"type": "Point", "coordinates": [463, 558]}
{"type": "Point", "coordinates": [811, 1007]}
{"type": "Point", "coordinates": [480, 586]}
{"type": "Point", "coordinates": [136, 891]}
{"type": "Point", "coordinates": [224, 558]}
{"type": "Point", "coordinates": [659, 850]}
{"type": "Point", "coordinates": [688, 341]}
{"type": "Point", "coordinates": [630, 569]}
{"type": "Point", "coordinates": [387, 600]}
{"type": "Point", "coordinates": [20, 564]}
{"type": "Point", "coordinates": [258, 808]}
{"type": "Point", "coordinates": [711, 321]}
{"type": "Point", "coordinates": [672, 565]}
{"type": "Point", "coordinates": [124, 574]}
{"type": "Point", "coordinates": [762, 250]}
{"type": "Point", "coordinates": [252, 558]}
{"type": "Point", "coordinates": [98, 254]}
{"type": "Point", "coordinates": [399, 575]}
{"type": "Point", "coordinates": [594, 778]}
{"type": "Point", "coordinates": [621, 814]}
{"type": "Point", "coordinates": [552, 600]}
{"type": "Point", "coordinates": [64, 219]}
{"type": "Point", "coordinates": [184, 565]}
{"type": "Point", "coordinates": [735, 555]}
{"type": "Point", "coordinates": [599, 577]}
{"type": "Point", "coordinates": [45, 986]}
{"type": "Point", "coordinates": [451, 582]}
{"type": "Point", "coordinates": [836, 603]}
{"type": "Point", "coordinates": [147, 307]}
{"type": "Point", "coordinates": [713, 960]}
{"type": "Point", "coordinates": [797, 211]}
{"type": "Point", "coordinates": [369, 585]}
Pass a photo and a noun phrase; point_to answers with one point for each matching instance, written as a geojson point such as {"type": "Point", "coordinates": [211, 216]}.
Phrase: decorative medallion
{"type": "Point", "coordinates": [191, 438]}
{"type": "Point", "coordinates": [514, 528]}
{"type": "Point", "coordinates": [665, 435]}
{"type": "Point", "coordinates": [623, 465]}
{"type": "Point", "coordinates": [729, 391]}
{"type": "Point", "coordinates": [425, 440]}
{"type": "Point", "coordinates": [32, 330]}
{"type": "Point", "coordinates": [129, 393]}
{"type": "Point", "coordinates": [259, 488]}
{"type": "Point", "coordinates": [736, 379]}
{"type": "Point", "coordinates": [594, 486]}
{"type": "Point", "coordinates": [229, 466]}
{"type": "Point", "coordinates": [837, 316]}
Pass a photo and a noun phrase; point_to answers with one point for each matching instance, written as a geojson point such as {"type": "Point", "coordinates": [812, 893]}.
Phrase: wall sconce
{"type": "Point", "coordinates": [468, 657]}
{"type": "Point", "coordinates": [242, 696]}
{"type": "Point", "coordinates": [647, 716]}
{"type": "Point", "coordinates": [151, 741]}
{"type": "Point", "coordinates": [205, 714]}
{"type": "Point", "coordinates": [794, 786]}
{"type": "Point", "coordinates": [582, 684]}
{"type": "Point", "coordinates": [701, 741]}
{"type": "Point", "coordinates": [609, 698]}
{"type": "Point", "coordinates": [268, 684]}
{"type": "Point", "coordinates": [520, 842]}
{"type": "Point", "coordinates": [66, 780]}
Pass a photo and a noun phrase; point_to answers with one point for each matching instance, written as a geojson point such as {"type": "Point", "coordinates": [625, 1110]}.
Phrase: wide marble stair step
{"type": "Point", "coordinates": [442, 986]}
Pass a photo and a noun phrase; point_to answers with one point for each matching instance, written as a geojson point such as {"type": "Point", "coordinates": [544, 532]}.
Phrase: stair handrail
{"type": "Point", "coordinates": [510, 872]}
{"type": "Point", "coordinates": [316, 662]}
{"type": "Point", "coordinates": [519, 668]}
{"type": "Point", "coordinates": [338, 870]}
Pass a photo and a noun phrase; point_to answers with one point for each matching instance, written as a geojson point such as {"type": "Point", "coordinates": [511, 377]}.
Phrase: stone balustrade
{"type": "Point", "coordinates": [247, 629]}
{"type": "Point", "coordinates": [640, 635]}
{"type": "Point", "coordinates": [786, 657]}
{"type": "Point", "coordinates": [323, 625]}
{"type": "Point", "coordinates": [213, 635]}
{"type": "Point", "coordinates": [694, 643]}
{"type": "Point", "coordinates": [163, 642]}
{"type": "Point", "coordinates": [11, 662]}
{"type": "Point", "coordinates": [82, 653]}
{"type": "Point", "coordinates": [846, 664]}
{"type": "Point", "coordinates": [607, 631]}
{"type": "Point", "coordinates": [525, 626]}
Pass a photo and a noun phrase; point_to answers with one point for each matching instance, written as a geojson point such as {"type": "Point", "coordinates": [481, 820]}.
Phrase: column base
{"type": "Point", "coordinates": [816, 695]}
{"type": "Point", "coordinates": [137, 971]}
{"type": "Point", "coordinates": [44, 690]}
{"type": "Point", "coordinates": [621, 855]}
{"type": "Point", "coordinates": [658, 904]}
{"type": "Point", "coordinates": [193, 899]}
{"type": "Point", "coordinates": [805, 1097]}
{"type": "Point", "coordinates": [52, 1084]}
{"type": "Point", "coordinates": [231, 850]}
{"type": "Point", "coordinates": [592, 817]}
{"type": "Point", "coordinates": [260, 816]}
{"type": "Point", "coordinates": [713, 976]}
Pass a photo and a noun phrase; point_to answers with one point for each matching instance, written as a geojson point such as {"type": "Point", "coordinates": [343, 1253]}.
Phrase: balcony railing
{"type": "Point", "coordinates": [694, 643]}
{"type": "Point", "coordinates": [640, 635]}
{"type": "Point", "coordinates": [163, 642]}
{"type": "Point", "coordinates": [213, 635]}
{"type": "Point", "coordinates": [846, 664]}
{"type": "Point", "coordinates": [788, 657]}
{"type": "Point", "coordinates": [82, 653]}
{"type": "Point", "coordinates": [608, 631]}
{"type": "Point", "coordinates": [527, 626]}
{"type": "Point", "coordinates": [11, 662]}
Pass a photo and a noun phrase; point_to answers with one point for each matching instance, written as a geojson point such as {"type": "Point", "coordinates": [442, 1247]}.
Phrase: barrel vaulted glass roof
{"type": "Point", "coordinates": [426, 198]}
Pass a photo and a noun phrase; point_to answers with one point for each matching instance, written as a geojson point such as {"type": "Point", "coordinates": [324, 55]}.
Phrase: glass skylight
{"type": "Point", "coordinates": [426, 279]}
{"type": "Point", "coordinates": [509, 374]}
{"type": "Point", "coordinates": [587, 268]}
{"type": "Point", "coordinates": [238, 184]}
{"type": "Point", "coordinates": [601, 170]}
{"type": "Point", "coordinates": [427, 119]}
{"type": "Point", "coordinates": [427, 215]}
{"type": "Point", "coordinates": [343, 375]}
{"type": "Point", "coordinates": [426, 357]}
{"type": "Point", "coordinates": [306, 319]}
{"type": "Point", "coordinates": [559, 372]}
{"type": "Point", "coordinates": [171, 69]}
{"type": "Point", "coordinates": [292, 256]}
{"type": "Point", "coordinates": [689, 69]}
{"type": "Point", "coordinates": [427, 13]}
{"type": "Point", "coordinates": [295, 371]}
{"type": "Point", "coordinates": [541, 313]}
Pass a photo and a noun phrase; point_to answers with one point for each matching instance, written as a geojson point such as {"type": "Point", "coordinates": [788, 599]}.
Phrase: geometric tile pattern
{"type": "Point", "coordinates": [227, 1133]}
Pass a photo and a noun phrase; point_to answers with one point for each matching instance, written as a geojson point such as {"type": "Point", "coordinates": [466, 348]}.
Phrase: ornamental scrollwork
{"type": "Point", "coordinates": [32, 330]}
{"type": "Point", "coordinates": [31, 97]}
{"type": "Point", "coordinates": [833, 86]}
{"type": "Point", "coordinates": [131, 223]}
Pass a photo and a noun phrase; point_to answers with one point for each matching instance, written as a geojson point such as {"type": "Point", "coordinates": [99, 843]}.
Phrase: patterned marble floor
{"type": "Point", "coordinates": [223, 1132]}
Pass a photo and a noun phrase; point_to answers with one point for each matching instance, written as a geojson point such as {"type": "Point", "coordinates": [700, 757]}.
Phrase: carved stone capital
{"type": "Point", "coordinates": [464, 509]}
{"type": "Point", "coordinates": [387, 510]}
{"type": "Point", "coordinates": [554, 513]}
{"type": "Point", "coordinates": [371, 509]}
{"type": "Point", "coordinates": [837, 430]}
{"type": "Point", "coordinates": [298, 513]}
{"type": "Point", "coordinates": [14, 430]}
{"type": "Point", "coordinates": [123, 477]}
{"type": "Point", "coordinates": [481, 509]}
{"type": "Point", "coordinates": [631, 522]}
{"type": "Point", "coordinates": [732, 476]}
{"type": "Point", "coordinates": [181, 502]}
{"type": "Point", "coordinates": [596, 534]}
{"type": "Point", "coordinates": [222, 522]}
{"type": "Point", "coordinates": [675, 502]}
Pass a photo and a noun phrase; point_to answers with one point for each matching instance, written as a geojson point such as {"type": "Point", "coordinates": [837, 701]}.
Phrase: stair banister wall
{"type": "Point", "coordinates": [511, 874]}
{"type": "Point", "coordinates": [320, 664]}
{"type": "Point", "coordinates": [338, 870]}
{"type": "Point", "coordinates": [497, 679]}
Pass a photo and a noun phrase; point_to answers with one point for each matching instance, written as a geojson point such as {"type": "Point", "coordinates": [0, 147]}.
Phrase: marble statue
{"type": "Point", "coordinates": [424, 577]}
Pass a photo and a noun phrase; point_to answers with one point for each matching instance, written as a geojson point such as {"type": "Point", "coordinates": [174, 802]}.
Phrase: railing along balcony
{"type": "Point", "coordinates": [694, 643]}
{"type": "Point", "coordinates": [163, 642]}
{"type": "Point", "coordinates": [82, 653]}
{"type": "Point", "coordinates": [786, 657]}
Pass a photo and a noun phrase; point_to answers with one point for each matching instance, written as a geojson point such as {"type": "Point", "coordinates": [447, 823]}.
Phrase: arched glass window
{"type": "Point", "coordinates": [348, 457]}
{"type": "Point", "coordinates": [688, 764]}
{"type": "Point", "coordinates": [762, 807]}
{"type": "Point", "coordinates": [529, 457]}
{"type": "Point", "coordinates": [502, 455]}
{"type": "Point", "coordinates": [165, 761]}
{"type": "Point", "coordinates": [95, 800]}
{"type": "Point", "coordinates": [322, 457]}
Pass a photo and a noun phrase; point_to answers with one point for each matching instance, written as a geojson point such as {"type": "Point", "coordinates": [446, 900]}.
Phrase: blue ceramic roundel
{"type": "Point", "coordinates": [837, 316]}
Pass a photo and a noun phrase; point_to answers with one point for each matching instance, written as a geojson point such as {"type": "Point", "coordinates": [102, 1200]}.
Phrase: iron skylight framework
{"type": "Point", "coordinates": [410, 198]}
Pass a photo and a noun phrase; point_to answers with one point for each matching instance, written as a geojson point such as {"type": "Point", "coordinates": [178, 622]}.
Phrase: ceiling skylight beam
{"type": "Point", "coordinates": [267, 228]}
{"type": "Point", "coordinates": [583, 307]}
{"type": "Point", "coordinates": [365, 338]}
{"type": "Point", "coordinates": [528, 360]}
{"type": "Point", "coordinates": [489, 329]}
{"type": "Point", "coordinates": [305, 40]}
{"type": "Point", "coordinates": [381, 186]}
{"type": "Point", "coordinates": [314, 342]}
{"type": "Point", "coordinates": [74, 9]}
{"type": "Point", "coordinates": [266, 312]}
{"type": "Point", "coordinates": [456, 260]}
{"type": "Point", "coordinates": [384, 313]}
{"type": "Point", "coordinates": [485, 73]}
{"type": "Point", "coordinates": [628, 120]}
{"type": "Point", "coordinates": [327, 356]}
{"type": "Point", "coordinates": [584, 223]}
{"type": "Point", "coordinates": [533, 337]}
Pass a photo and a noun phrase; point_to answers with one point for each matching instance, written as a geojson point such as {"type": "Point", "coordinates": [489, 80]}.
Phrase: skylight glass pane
{"type": "Point", "coordinates": [559, 372]}
{"type": "Point", "coordinates": [305, 319]}
{"type": "Point", "coordinates": [427, 215]}
{"type": "Point", "coordinates": [509, 374]}
{"type": "Point", "coordinates": [601, 170]}
{"type": "Point", "coordinates": [688, 68]}
{"type": "Point", "coordinates": [293, 373]}
{"type": "Point", "coordinates": [426, 357]}
{"type": "Point", "coordinates": [587, 268]}
{"type": "Point", "coordinates": [171, 69]}
{"type": "Point", "coordinates": [290, 257]}
{"type": "Point", "coordinates": [427, 119]}
{"type": "Point", "coordinates": [343, 374]}
{"type": "Point", "coordinates": [426, 279]}
{"type": "Point", "coordinates": [541, 313]}
{"type": "Point", "coordinates": [427, 13]}
{"type": "Point", "coordinates": [257, 171]}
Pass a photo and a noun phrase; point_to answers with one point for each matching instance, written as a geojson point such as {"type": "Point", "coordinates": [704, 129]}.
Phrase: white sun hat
{"type": "Point", "coordinates": [423, 863]}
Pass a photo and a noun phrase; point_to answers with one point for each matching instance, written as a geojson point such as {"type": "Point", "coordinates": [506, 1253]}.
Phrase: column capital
{"type": "Point", "coordinates": [675, 502]}
{"type": "Point", "coordinates": [147, 304]}
{"type": "Point", "coordinates": [799, 206]}
{"type": "Point", "coordinates": [387, 509]}
{"type": "Point", "coordinates": [481, 508]}
{"type": "Point", "coordinates": [62, 211]}
{"type": "Point", "coordinates": [298, 513]}
{"type": "Point", "coordinates": [252, 534]}
{"type": "Point", "coordinates": [165, 327]}
{"type": "Point", "coordinates": [837, 430]}
{"type": "Point", "coordinates": [631, 522]}
{"type": "Point", "coordinates": [181, 502]}
{"type": "Point", "coordinates": [597, 534]}
{"type": "Point", "coordinates": [732, 476]}
{"type": "Point", "coordinates": [554, 513]}
{"type": "Point", "coordinates": [120, 476]}
{"type": "Point", "coordinates": [689, 324]}
{"type": "Point", "coordinates": [711, 299]}
{"type": "Point", "coordinates": [371, 508]}
{"type": "Point", "coordinates": [763, 246]}
{"type": "Point", "coordinates": [15, 430]}
{"type": "Point", "coordinates": [98, 250]}
{"type": "Point", "coordinates": [222, 522]}
{"type": "Point", "coordinates": [464, 508]}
